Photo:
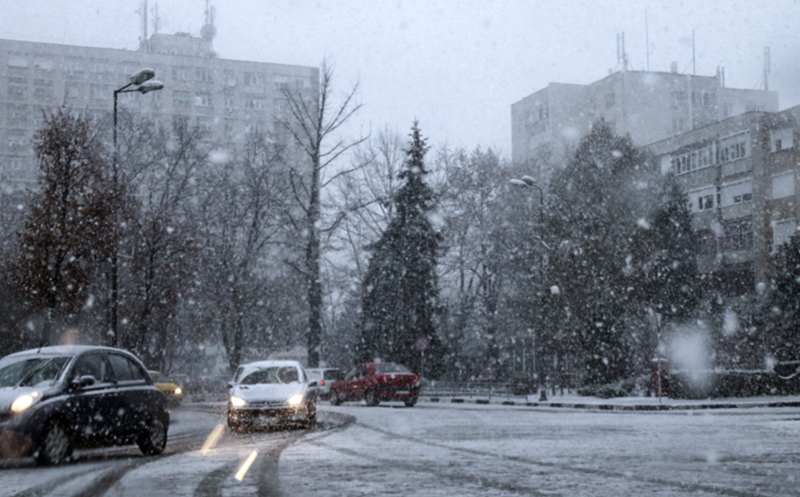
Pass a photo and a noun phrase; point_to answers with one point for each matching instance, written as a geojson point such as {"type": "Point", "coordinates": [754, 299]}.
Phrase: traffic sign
{"type": "Point", "coordinates": [422, 343]}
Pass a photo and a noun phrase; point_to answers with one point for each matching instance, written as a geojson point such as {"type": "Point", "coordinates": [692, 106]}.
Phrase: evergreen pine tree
{"type": "Point", "coordinates": [400, 287]}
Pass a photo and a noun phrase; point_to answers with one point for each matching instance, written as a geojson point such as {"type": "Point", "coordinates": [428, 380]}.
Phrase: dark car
{"type": "Point", "coordinates": [56, 399]}
{"type": "Point", "coordinates": [374, 382]}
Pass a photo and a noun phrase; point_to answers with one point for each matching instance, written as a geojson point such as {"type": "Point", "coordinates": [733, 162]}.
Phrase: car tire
{"type": "Point", "coordinates": [335, 400]}
{"type": "Point", "coordinates": [56, 444]}
{"type": "Point", "coordinates": [369, 396]}
{"type": "Point", "coordinates": [410, 402]}
{"type": "Point", "coordinates": [153, 441]}
{"type": "Point", "coordinates": [311, 417]}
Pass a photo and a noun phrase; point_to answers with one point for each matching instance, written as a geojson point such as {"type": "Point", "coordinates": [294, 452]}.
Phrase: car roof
{"type": "Point", "coordinates": [267, 364]}
{"type": "Point", "coordinates": [64, 350]}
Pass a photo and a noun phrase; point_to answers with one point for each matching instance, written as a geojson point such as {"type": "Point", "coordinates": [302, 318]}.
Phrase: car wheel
{"type": "Point", "coordinates": [56, 444]}
{"type": "Point", "coordinates": [335, 400]}
{"type": "Point", "coordinates": [370, 398]}
{"type": "Point", "coordinates": [311, 417]}
{"type": "Point", "coordinates": [410, 402]}
{"type": "Point", "coordinates": [153, 441]}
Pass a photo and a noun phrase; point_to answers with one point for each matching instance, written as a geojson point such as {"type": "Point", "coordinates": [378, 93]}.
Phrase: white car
{"type": "Point", "coordinates": [324, 377]}
{"type": "Point", "coordinates": [271, 393]}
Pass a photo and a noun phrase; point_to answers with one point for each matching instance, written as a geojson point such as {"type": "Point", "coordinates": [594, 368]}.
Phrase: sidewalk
{"type": "Point", "coordinates": [572, 401]}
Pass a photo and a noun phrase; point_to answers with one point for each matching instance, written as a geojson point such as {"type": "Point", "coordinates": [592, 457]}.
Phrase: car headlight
{"type": "Point", "coordinates": [238, 402]}
{"type": "Point", "coordinates": [295, 399]}
{"type": "Point", "coordinates": [24, 401]}
{"type": "Point", "coordinates": [178, 391]}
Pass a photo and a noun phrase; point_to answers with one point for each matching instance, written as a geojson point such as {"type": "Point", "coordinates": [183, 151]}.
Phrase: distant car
{"type": "Point", "coordinates": [324, 377]}
{"type": "Point", "coordinates": [374, 382]}
{"type": "Point", "coordinates": [272, 392]}
{"type": "Point", "coordinates": [171, 390]}
{"type": "Point", "coordinates": [56, 399]}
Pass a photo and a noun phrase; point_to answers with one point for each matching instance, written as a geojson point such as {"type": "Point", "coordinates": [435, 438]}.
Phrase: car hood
{"type": "Point", "coordinates": [268, 392]}
{"type": "Point", "coordinates": [9, 394]}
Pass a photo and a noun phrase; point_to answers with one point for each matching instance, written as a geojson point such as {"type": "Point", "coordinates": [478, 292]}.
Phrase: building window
{"type": "Point", "coordinates": [781, 139]}
{"type": "Point", "coordinates": [611, 100]}
{"type": "Point", "coordinates": [783, 185]}
{"type": "Point", "coordinates": [702, 199]}
{"type": "Point", "coordinates": [679, 125]}
{"type": "Point", "coordinates": [736, 193]}
{"type": "Point", "coordinates": [255, 103]}
{"type": "Point", "coordinates": [782, 231]}
{"type": "Point", "coordinates": [696, 159]}
{"type": "Point", "coordinates": [17, 61]}
{"type": "Point", "coordinates": [17, 91]}
{"type": "Point", "coordinates": [253, 79]}
{"type": "Point", "coordinates": [202, 100]}
{"type": "Point", "coordinates": [737, 234]}
{"type": "Point", "coordinates": [204, 75]}
{"type": "Point", "coordinates": [181, 99]}
{"type": "Point", "coordinates": [733, 148]}
{"type": "Point", "coordinates": [181, 74]}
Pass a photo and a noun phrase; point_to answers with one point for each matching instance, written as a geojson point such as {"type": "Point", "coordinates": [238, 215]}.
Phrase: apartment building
{"type": "Point", "coordinates": [648, 106]}
{"type": "Point", "coordinates": [226, 97]}
{"type": "Point", "coordinates": [741, 178]}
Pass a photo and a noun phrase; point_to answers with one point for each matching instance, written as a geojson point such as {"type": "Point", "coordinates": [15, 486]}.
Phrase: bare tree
{"type": "Point", "coordinates": [66, 238]}
{"type": "Point", "coordinates": [312, 122]}
{"type": "Point", "coordinates": [249, 300]}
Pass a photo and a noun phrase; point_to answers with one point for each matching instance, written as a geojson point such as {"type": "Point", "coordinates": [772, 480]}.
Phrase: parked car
{"type": "Point", "coordinates": [272, 392]}
{"type": "Point", "coordinates": [168, 386]}
{"type": "Point", "coordinates": [56, 399]}
{"type": "Point", "coordinates": [374, 382]}
{"type": "Point", "coordinates": [324, 377]}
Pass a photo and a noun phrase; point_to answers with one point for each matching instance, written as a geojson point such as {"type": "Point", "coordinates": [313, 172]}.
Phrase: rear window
{"type": "Point", "coordinates": [391, 368]}
{"type": "Point", "coordinates": [331, 374]}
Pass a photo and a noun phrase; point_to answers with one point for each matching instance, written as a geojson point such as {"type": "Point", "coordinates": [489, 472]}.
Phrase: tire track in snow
{"type": "Point", "coordinates": [626, 476]}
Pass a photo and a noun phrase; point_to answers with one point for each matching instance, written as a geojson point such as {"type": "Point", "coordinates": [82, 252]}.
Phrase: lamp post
{"type": "Point", "coordinates": [529, 182]}
{"type": "Point", "coordinates": [142, 82]}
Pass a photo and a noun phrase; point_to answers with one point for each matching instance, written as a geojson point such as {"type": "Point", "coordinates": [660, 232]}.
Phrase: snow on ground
{"type": "Point", "coordinates": [482, 450]}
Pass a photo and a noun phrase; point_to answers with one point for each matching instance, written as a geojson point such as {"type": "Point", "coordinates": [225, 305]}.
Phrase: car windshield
{"type": "Point", "coordinates": [391, 368]}
{"type": "Point", "coordinates": [282, 374]}
{"type": "Point", "coordinates": [30, 371]}
{"type": "Point", "coordinates": [159, 378]}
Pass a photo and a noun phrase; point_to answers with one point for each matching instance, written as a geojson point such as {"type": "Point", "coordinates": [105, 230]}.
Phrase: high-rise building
{"type": "Point", "coordinates": [226, 97]}
{"type": "Point", "coordinates": [741, 176]}
{"type": "Point", "coordinates": [648, 106]}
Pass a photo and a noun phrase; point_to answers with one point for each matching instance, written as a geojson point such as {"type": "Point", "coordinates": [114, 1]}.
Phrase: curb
{"type": "Point", "coordinates": [619, 407]}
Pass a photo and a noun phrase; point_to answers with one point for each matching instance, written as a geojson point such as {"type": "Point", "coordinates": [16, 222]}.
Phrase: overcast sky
{"type": "Point", "coordinates": [457, 66]}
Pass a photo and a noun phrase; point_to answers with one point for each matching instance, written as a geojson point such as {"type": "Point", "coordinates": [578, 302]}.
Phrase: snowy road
{"type": "Point", "coordinates": [445, 450]}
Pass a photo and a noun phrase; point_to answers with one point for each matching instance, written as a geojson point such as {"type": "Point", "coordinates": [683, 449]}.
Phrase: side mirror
{"type": "Point", "coordinates": [230, 384]}
{"type": "Point", "coordinates": [84, 381]}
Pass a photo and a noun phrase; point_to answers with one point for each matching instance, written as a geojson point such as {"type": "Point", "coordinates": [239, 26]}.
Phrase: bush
{"type": "Point", "coordinates": [630, 387]}
{"type": "Point", "coordinates": [716, 384]}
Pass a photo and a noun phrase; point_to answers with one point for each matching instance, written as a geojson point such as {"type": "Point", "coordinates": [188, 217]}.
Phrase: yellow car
{"type": "Point", "coordinates": [168, 387]}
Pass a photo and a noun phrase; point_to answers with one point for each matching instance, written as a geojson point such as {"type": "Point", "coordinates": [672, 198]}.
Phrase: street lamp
{"type": "Point", "coordinates": [141, 81]}
{"type": "Point", "coordinates": [529, 182]}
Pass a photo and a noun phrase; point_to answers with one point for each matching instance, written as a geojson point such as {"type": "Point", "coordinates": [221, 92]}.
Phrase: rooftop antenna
{"type": "Point", "coordinates": [767, 69]}
{"type": "Point", "coordinates": [156, 20]}
{"type": "Point", "coordinates": [143, 14]}
{"type": "Point", "coordinates": [622, 57]}
{"type": "Point", "coordinates": [208, 31]}
{"type": "Point", "coordinates": [647, 40]}
{"type": "Point", "coordinates": [694, 66]}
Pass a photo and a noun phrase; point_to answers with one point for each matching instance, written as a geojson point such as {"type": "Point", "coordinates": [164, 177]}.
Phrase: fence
{"type": "Point", "coordinates": [472, 389]}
